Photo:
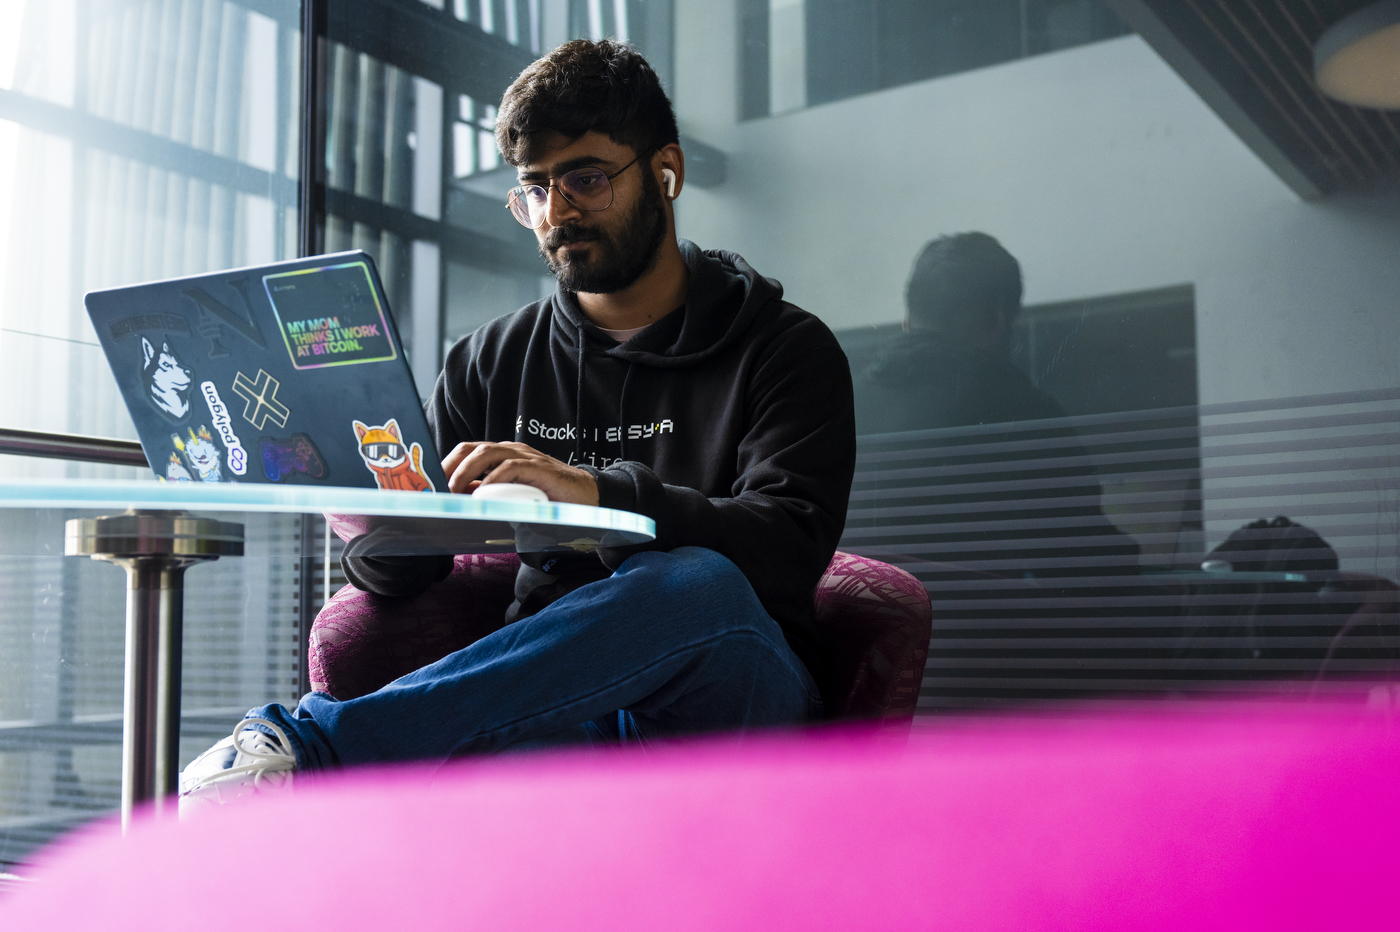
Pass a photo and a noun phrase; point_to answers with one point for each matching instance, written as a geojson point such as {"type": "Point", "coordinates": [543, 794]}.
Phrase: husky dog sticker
{"type": "Point", "coordinates": [166, 379]}
{"type": "Point", "coordinates": [201, 453]}
{"type": "Point", "coordinates": [394, 467]}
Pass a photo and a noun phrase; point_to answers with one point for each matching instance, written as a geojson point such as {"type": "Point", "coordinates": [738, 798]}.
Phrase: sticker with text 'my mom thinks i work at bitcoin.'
{"type": "Point", "coordinates": [330, 316]}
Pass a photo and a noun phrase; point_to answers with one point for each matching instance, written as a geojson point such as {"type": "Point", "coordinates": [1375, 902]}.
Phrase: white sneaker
{"type": "Point", "coordinates": [247, 763]}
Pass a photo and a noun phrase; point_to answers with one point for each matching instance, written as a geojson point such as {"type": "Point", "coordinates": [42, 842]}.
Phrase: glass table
{"type": "Point", "coordinates": [156, 537]}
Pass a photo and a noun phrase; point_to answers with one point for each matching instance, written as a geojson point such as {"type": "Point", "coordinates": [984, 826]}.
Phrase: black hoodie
{"type": "Point", "coordinates": [729, 422]}
{"type": "Point", "coordinates": [924, 379]}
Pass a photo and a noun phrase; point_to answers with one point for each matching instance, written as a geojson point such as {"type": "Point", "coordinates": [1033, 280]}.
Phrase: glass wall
{"type": "Point", "coordinates": [1199, 346]}
{"type": "Point", "coordinates": [139, 139]}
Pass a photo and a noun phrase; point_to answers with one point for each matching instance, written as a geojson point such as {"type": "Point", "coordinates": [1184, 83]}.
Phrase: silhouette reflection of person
{"type": "Point", "coordinates": [952, 365]}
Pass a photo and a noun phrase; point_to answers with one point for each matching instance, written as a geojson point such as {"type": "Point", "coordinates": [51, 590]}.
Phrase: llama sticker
{"type": "Point", "coordinates": [167, 380]}
{"type": "Point", "coordinates": [201, 453]}
{"type": "Point", "coordinates": [393, 465]}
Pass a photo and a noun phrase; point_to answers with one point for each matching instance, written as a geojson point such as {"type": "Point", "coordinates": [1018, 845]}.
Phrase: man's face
{"type": "Point", "coordinates": [598, 251]}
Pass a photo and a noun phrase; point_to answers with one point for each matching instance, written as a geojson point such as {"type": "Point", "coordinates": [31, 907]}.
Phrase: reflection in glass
{"type": "Point", "coordinates": [1205, 340]}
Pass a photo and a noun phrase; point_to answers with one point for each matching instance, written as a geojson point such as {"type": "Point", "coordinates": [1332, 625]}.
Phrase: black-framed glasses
{"type": "Point", "coordinates": [587, 188]}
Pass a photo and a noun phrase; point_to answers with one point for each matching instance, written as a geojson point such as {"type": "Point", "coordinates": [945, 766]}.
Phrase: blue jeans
{"type": "Point", "coordinates": [672, 643]}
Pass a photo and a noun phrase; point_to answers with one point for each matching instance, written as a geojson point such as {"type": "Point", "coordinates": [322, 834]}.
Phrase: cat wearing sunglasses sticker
{"type": "Point", "coordinates": [394, 466]}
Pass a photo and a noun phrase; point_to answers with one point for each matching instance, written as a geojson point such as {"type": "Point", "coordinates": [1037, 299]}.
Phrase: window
{"type": "Point", "coordinates": [138, 140]}
{"type": "Point", "coordinates": [800, 53]}
{"type": "Point", "coordinates": [1206, 335]}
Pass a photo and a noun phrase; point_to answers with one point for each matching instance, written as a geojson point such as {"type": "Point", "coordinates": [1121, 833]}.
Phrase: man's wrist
{"type": "Point", "coordinates": [615, 488]}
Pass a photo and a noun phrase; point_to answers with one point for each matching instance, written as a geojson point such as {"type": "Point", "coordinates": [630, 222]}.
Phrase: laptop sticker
{"type": "Point", "coordinates": [167, 380]}
{"type": "Point", "coordinates": [260, 400]}
{"type": "Point", "coordinates": [330, 316]}
{"type": "Point", "coordinates": [172, 322]}
{"type": "Point", "coordinates": [201, 453]}
{"type": "Point", "coordinates": [237, 456]}
{"type": "Point", "coordinates": [175, 470]}
{"type": "Point", "coordinates": [214, 316]}
{"type": "Point", "coordinates": [394, 467]}
{"type": "Point", "coordinates": [296, 454]}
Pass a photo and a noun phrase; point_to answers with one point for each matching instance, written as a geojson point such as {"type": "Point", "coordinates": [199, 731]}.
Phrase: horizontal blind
{"type": "Point", "coordinates": [1063, 557]}
{"type": "Point", "coordinates": [62, 636]}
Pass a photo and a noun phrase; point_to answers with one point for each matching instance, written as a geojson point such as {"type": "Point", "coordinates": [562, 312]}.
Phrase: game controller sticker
{"type": "Point", "coordinates": [393, 465]}
{"type": "Point", "coordinates": [200, 453]}
{"type": "Point", "coordinates": [260, 403]}
{"type": "Point", "coordinates": [237, 457]}
{"type": "Point", "coordinates": [166, 380]}
{"type": "Point", "coordinates": [296, 454]}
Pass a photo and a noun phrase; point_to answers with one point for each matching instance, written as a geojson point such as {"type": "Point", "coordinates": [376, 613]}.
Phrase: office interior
{"type": "Point", "coordinates": [1211, 298]}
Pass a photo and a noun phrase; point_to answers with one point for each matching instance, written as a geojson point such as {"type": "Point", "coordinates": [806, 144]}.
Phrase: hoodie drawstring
{"type": "Point", "coordinates": [578, 400]}
{"type": "Point", "coordinates": [578, 405]}
{"type": "Point", "coordinates": [621, 411]}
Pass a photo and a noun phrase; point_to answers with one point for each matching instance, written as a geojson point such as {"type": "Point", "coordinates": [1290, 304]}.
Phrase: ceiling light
{"type": "Point", "coordinates": [1357, 60]}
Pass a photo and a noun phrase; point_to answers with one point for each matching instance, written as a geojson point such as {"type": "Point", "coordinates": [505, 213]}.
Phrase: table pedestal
{"type": "Point", "coordinates": [155, 548]}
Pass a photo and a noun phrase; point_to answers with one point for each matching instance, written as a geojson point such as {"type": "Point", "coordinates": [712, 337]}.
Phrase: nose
{"type": "Point", "coordinates": [558, 209]}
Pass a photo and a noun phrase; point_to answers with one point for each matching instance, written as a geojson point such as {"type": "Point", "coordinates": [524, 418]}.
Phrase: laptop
{"type": "Point", "coordinates": [290, 373]}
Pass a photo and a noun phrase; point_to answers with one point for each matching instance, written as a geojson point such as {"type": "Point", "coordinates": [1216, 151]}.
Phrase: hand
{"type": "Point", "coordinates": [470, 465]}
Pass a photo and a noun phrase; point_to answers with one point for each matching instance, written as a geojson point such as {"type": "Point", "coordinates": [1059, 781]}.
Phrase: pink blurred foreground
{"type": "Point", "coordinates": [1241, 822]}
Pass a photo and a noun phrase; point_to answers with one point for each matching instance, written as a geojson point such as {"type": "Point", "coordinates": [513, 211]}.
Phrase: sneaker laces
{"type": "Point", "coordinates": [268, 758]}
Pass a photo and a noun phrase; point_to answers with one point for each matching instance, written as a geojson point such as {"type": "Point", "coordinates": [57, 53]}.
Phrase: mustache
{"type": "Point", "coordinates": [569, 233]}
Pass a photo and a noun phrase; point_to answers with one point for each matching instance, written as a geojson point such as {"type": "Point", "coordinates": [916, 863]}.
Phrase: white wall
{"type": "Point", "coordinates": [1097, 167]}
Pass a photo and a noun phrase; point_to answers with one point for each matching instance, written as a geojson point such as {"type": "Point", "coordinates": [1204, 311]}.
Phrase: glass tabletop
{"type": "Point", "coordinates": [399, 522]}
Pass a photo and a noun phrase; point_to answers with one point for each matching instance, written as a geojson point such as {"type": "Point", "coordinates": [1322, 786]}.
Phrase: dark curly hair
{"type": "Point", "coordinates": [581, 86]}
{"type": "Point", "coordinates": [961, 279]}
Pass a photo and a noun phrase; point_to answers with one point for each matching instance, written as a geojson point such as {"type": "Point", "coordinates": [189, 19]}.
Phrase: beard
{"type": "Point", "coordinates": [619, 258]}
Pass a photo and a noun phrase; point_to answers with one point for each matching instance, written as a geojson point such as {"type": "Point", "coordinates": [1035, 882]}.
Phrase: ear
{"type": "Point", "coordinates": [393, 428]}
{"type": "Point", "coordinates": [671, 169]}
{"type": "Point", "coordinates": [147, 351]}
{"type": "Point", "coordinates": [165, 348]}
{"type": "Point", "coordinates": [361, 429]}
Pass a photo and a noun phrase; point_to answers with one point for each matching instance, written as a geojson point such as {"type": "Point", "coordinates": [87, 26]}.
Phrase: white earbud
{"type": "Point", "coordinates": [670, 178]}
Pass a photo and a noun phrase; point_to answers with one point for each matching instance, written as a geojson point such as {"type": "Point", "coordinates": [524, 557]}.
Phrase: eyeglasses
{"type": "Point", "coordinates": [586, 188]}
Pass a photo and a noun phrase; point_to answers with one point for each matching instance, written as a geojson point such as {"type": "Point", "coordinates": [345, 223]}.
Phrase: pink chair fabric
{"type": "Point", "coordinates": [877, 616]}
{"type": "Point", "coordinates": [1159, 822]}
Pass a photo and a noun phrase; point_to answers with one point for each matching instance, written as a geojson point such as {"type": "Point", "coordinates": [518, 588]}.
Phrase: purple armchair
{"type": "Point", "coordinates": [877, 617]}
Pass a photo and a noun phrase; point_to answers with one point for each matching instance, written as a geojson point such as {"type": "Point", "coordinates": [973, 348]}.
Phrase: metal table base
{"type": "Point", "coordinates": [155, 548]}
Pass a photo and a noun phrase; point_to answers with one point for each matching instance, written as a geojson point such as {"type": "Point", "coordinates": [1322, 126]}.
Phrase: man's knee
{"type": "Point", "coordinates": [697, 583]}
{"type": "Point", "coordinates": [690, 572]}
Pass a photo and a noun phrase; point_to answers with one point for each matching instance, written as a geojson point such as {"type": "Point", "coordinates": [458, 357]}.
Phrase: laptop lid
{"type": "Point", "coordinates": [290, 373]}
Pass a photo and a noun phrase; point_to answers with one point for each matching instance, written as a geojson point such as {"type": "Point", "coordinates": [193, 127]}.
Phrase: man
{"type": "Point", "coordinates": [952, 365]}
{"type": "Point", "coordinates": [952, 368]}
{"type": "Point", "coordinates": [658, 378]}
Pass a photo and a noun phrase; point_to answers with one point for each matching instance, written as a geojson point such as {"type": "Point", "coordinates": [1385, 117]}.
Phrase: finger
{"type": "Point", "coordinates": [486, 457]}
{"type": "Point", "coordinates": [461, 470]}
{"type": "Point", "coordinates": [561, 483]}
{"type": "Point", "coordinates": [457, 454]}
{"type": "Point", "coordinates": [524, 470]}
